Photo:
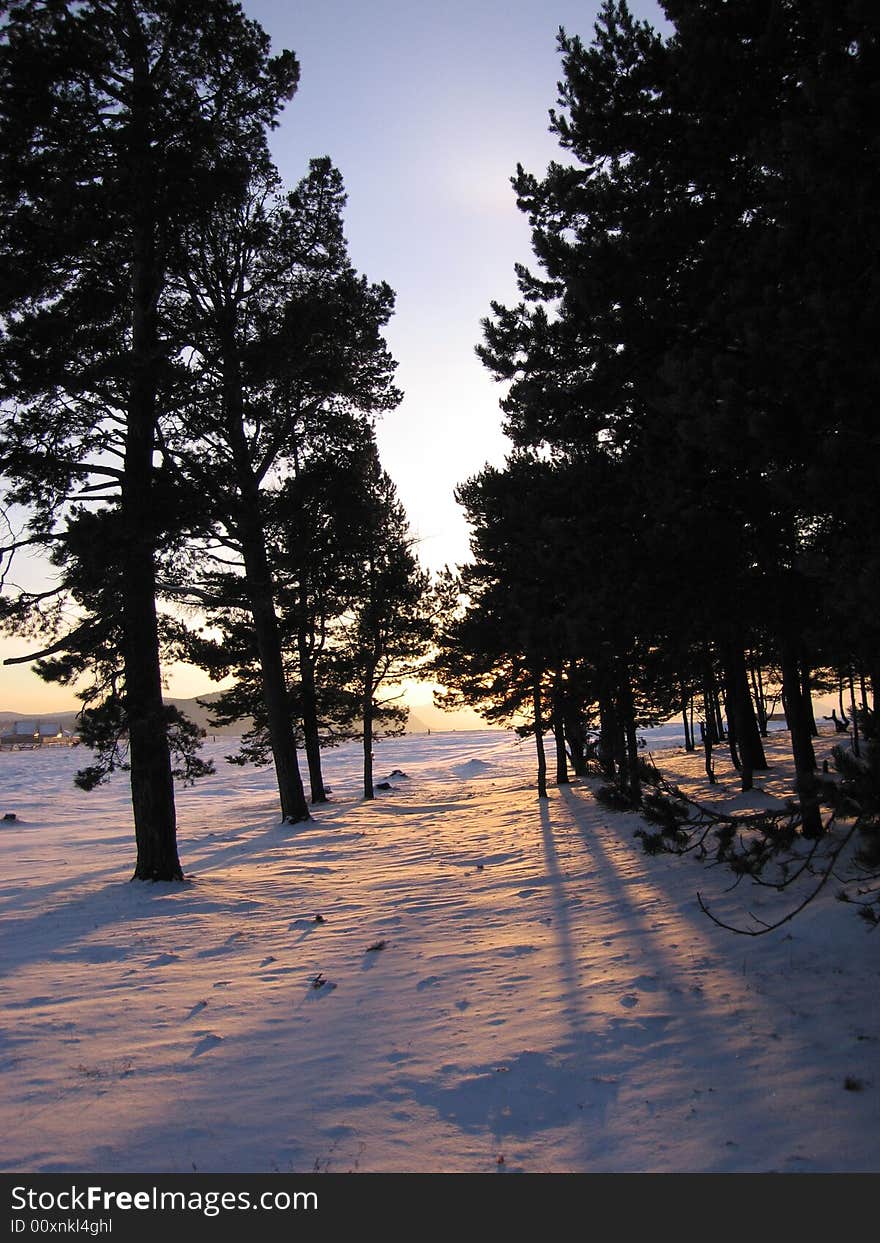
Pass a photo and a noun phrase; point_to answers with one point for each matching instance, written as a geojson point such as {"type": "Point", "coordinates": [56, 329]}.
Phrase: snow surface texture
{"type": "Point", "coordinates": [502, 985]}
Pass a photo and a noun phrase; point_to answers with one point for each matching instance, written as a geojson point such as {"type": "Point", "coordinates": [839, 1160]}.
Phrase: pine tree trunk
{"type": "Point", "coordinates": [760, 699]}
{"type": "Point", "coordinates": [311, 729]}
{"type": "Point", "coordinates": [607, 734]}
{"type": "Point", "coordinates": [575, 736]}
{"type": "Point", "coordinates": [559, 734]}
{"type": "Point", "coordinates": [688, 736]}
{"type": "Point", "coordinates": [294, 807]}
{"type": "Point", "coordinates": [631, 782]}
{"type": "Point", "coordinates": [742, 716]}
{"type": "Point", "coordinates": [634, 782]}
{"type": "Point", "coordinates": [539, 736]}
{"type": "Point", "coordinates": [258, 585]}
{"type": "Point", "coordinates": [801, 742]}
{"type": "Point", "coordinates": [731, 735]}
{"type": "Point", "coordinates": [707, 753]}
{"type": "Point", "coordinates": [152, 787]}
{"type": "Point", "coordinates": [561, 758]}
{"type": "Point", "coordinates": [857, 751]}
{"type": "Point", "coordinates": [720, 732]}
{"type": "Point", "coordinates": [710, 728]}
{"type": "Point", "coordinates": [807, 695]}
{"type": "Point", "coordinates": [260, 593]}
{"type": "Point", "coordinates": [618, 724]}
{"type": "Point", "coordinates": [367, 741]}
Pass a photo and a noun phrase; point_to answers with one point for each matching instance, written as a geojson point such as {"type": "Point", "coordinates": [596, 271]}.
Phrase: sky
{"type": "Point", "coordinates": [426, 108]}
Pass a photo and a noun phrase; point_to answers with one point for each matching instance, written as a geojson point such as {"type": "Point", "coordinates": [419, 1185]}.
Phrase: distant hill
{"type": "Point", "coordinates": [423, 719]}
{"type": "Point", "coordinates": [191, 707]}
{"type": "Point", "coordinates": [201, 716]}
{"type": "Point", "coordinates": [67, 720]}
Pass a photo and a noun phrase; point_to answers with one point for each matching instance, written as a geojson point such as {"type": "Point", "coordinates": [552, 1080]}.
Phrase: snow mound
{"type": "Point", "coordinates": [472, 768]}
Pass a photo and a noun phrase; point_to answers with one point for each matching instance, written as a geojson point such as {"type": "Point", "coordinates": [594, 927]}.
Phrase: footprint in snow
{"type": "Point", "coordinates": [629, 1000]}
{"type": "Point", "coordinates": [647, 983]}
{"type": "Point", "coordinates": [163, 960]}
{"type": "Point", "coordinates": [208, 1041]}
{"type": "Point", "coordinates": [230, 944]}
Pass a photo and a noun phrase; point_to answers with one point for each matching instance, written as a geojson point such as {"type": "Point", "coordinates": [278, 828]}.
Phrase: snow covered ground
{"type": "Point", "coordinates": [506, 986]}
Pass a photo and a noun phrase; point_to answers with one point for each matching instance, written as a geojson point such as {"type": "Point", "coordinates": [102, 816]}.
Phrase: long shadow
{"type": "Point", "coordinates": [65, 924]}
{"type": "Point", "coordinates": [572, 993]}
{"type": "Point", "coordinates": [275, 1056]}
{"type": "Point", "coordinates": [56, 928]}
{"type": "Point", "coordinates": [621, 890]}
{"type": "Point", "coordinates": [691, 1010]}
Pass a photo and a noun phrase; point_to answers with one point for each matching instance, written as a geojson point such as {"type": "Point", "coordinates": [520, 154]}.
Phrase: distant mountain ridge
{"type": "Point", "coordinates": [65, 719]}
{"type": "Point", "coordinates": [424, 719]}
{"type": "Point", "coordinates": [193, 709]}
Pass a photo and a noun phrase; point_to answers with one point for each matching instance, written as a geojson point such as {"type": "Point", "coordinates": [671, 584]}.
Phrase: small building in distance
{"type": "Point", "coordinates": [28, 735]}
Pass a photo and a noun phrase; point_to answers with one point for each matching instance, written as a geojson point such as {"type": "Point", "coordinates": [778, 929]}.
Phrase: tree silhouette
{"type": "Point", "coordinates": [120, 122]}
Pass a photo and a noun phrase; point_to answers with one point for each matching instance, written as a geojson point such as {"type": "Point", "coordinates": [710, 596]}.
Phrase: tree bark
{"type": "Point", "coordinates": [368, 734]}
{"type": "Point", "coordinates": [630, 781]}
{"type": "Point", "coordinates": [706, 732]}
{"type": "Point", "coordinates": [559, 736]}
{"type": "Point", "coordinates": [561, 758]}
{"type": "Point", "coordinates": [840, 698]}
{"type": "Point", "coordinates": [807, 695]}
{"type": "Point", "coordinates": [801, 742]}
{"type": "Point", "coordinates": [539, 736]}
{"type": "Point", "coordinates": [607, 734]}
{"type": "Point", "coordinates": [857, 750]}
{"type": "Point", "coordinates": [731, 737]}
{"type": "Point", "coordinates": [152, 786]}
{"type": "Point", "coordinates": [743, 726]}
{"type": "Point", "coordinates": [259, 588]}
{"type": "Point", "coordinates": [688, 736]}
{"type": "Point", "coordinates": [311, 728]}
{"type": "Point", "coordinates": [575, 735]}
{"type": "Point", "coordinates": [294, 807]}
{"type": "Point", "coordinates": [720, 732]}
{"type": "Point", "coordinates": [760, 699]}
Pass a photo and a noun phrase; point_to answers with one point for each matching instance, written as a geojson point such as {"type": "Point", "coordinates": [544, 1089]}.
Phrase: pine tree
{"type": "Point", "coordinates": [286, 340]}
{"type": "Point", "coordinates": [120, 122]}
{"type": "Point", "coordinates": [390, 623]}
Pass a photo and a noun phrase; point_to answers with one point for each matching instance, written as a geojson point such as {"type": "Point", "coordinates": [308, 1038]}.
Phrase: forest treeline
{"type": "Point", "coordinates": [687, 523]}
{"type": "Point", "coordinates": [190, 368]}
